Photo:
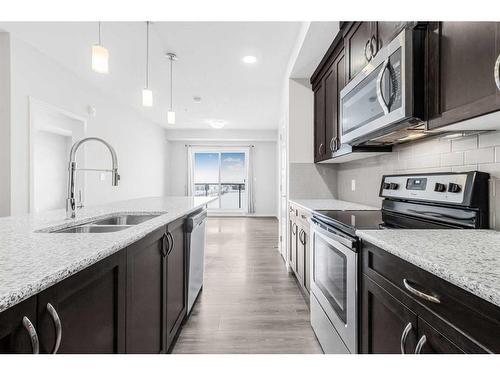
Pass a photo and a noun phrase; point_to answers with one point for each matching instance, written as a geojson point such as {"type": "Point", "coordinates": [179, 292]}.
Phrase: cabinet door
{"type": "Point", "coordinates": [384, 32]}
{"type": "Point", "coordinates": [462, 57]}
{"type": "Point", "coordinates": [356, 42]}
{"type": "Point", "coordinates": [146, 294]}
{"type": "Point", "coordinates": [17, 328]}
{"type": "Point", "coordinates": [385, 321]}
{"type": "Point", "coordinates": [90, 307]}
{"type": "Point", "coordinates": [176, 279]}
{"type": "Point", "coordinates": [307, 259]}
{"type": "Point", "coordinates": [431, 341]}
{"type": "Point", "coordinates": [319, 123]}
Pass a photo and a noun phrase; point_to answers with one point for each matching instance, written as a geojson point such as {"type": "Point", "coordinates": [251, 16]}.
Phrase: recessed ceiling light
{"type": "Point", "coordinates": [217, 124]}
{"type": "Point", "coordinates": [196, 99]}
{"type": "Point", "coordinates": [249, 59]}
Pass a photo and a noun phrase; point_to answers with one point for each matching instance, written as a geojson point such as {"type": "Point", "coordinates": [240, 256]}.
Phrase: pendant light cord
{"type": "Point", "coordinates": [147, 54]}
{"type": "Point", "coordinates": [171, 82]}
{"type": "Point", "coordinates": [100, 43]}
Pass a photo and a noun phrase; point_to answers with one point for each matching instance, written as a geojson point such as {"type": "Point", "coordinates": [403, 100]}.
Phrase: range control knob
{"type": "Point", "coordinates": [440, 187]}
{"type": "Point", "coordinates": [393, 186]}
{"type": "Point", "coordinates": [386, 185]}
{"type": "Point", "coordinates": [454, 188]}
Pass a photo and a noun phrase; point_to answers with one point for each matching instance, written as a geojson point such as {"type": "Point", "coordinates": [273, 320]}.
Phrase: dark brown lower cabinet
{"type": "Point", "coordinates": [433, 342]}
{"type": "Point", "coordinates": [146, 294]}
{"type": "Point", "coordinates": [15, 337]}
{"type": "Point", "coordinates": [176, 280]}
{"type": "Point", "coordinates": [85, 313]}
{"type": "Point", "coordinates": [384, 320]}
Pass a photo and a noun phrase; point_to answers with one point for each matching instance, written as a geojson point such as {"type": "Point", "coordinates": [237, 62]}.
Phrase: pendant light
{"type": "Point", "coordinates": [147, 94]}
{"type": "Point", "coordinates": [171, 113]}
{"type": "Point", "coordinates": [100, 56]}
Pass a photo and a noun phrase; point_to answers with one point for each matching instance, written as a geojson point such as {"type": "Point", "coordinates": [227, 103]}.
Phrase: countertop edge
{"type": "Point", "coordinates": [9, 300]}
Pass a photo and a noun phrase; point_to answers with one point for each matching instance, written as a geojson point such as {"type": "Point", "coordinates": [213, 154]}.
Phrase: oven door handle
{"type": "Point", "coordinates": [332, 235]}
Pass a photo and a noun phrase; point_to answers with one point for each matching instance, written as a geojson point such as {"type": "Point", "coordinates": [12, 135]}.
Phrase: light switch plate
{"type": "Point", "coordinates": [353, 185]}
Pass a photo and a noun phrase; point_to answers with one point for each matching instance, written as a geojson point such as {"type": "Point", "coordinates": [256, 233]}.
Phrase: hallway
{"type": "Point", "coordinates": [249, 303]}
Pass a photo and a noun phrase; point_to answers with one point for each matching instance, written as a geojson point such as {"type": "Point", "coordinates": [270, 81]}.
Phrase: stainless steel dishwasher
{"type": "Point", "coordinates": [195, 234]}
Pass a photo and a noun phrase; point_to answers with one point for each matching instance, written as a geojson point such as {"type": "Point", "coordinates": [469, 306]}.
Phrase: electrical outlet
{"type": "Point", "coordinates": [353, 185]}
{"type": "Point", "coordinates": [102, 176]}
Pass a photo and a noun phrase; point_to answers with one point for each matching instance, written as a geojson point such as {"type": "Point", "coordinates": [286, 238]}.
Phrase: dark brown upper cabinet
{"type": "Point", "coordinates": [319, 122]}
{"type": "Point", "coordinates": [146, 294]}
{"type": "Point", "coordinates": [384, 32]}
{"type": "Point", "coordinates": [462, 58]}
{"type": "Point", "coordinates": [357, 42]}
{"type": "Point", "coordinates": [176, 279]}
{"type": "Point", "coordinates": [85, 313]}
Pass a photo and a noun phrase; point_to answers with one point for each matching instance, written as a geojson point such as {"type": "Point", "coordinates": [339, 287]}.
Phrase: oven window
{"type": "Point", "coordinates": [330, 273]}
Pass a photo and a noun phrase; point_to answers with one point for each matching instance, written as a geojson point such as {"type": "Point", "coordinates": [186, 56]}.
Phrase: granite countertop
{"type": "Point", "coordinates": [31, 261]}
{"type": "Point", "coordinates": [331, 204]}
{"type": "Point", "coordinates": [469, 259]}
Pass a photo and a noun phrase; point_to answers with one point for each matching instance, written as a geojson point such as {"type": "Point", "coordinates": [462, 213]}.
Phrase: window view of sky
{"type": "Point", "coordinates": [206, 167]}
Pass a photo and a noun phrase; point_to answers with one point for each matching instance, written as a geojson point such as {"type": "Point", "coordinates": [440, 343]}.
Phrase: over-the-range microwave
{"type": "Point", "coordinates": [385, 101]}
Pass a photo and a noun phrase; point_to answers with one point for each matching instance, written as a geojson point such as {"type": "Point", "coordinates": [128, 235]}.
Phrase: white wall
{"type": "Point", "coordinates": [265, 162]}
{"type": "Point", "coordinates": [4, 124]}
{"type": "Point", "coordinates": [140, 144]}
{"type": "Point", "coordinates": [301, 137]}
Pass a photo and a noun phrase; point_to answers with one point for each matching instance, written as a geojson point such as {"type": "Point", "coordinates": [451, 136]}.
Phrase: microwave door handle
{"type": "Point", "coordinates": [380, 95]}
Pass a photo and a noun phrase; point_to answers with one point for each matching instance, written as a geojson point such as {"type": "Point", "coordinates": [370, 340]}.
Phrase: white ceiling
{"type": "Point", "coordinates": [209, 65]}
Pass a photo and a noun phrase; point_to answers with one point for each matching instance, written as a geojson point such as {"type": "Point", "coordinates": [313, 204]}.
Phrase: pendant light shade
{"type": "Point", "coordinates": [171, 114]}
{"type": "Point", "coordinates": [100, 56]}
{"type": "Point", "coordinates": [147, 94]}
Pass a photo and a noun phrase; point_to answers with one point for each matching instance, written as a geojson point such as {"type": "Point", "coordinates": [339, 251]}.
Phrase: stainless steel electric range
{"type": "Point", "coordinates": [416, 201]}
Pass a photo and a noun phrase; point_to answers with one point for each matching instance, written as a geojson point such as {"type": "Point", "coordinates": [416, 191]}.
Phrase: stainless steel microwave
{"type": "Point", "coordinates": [388, 94]}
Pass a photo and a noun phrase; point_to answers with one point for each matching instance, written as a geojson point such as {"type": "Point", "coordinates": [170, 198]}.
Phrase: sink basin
{"type": "Point", "coordinates": [93, 229]}
{"type": "Point", "coordinates": [124, 220]}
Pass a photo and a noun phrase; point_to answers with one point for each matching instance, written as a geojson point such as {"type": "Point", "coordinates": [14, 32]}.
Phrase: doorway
{"type": "Point", "coordinates": [221, 173]}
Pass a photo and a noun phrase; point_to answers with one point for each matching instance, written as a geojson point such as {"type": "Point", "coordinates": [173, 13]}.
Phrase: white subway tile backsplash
{"type": "Point", "coordinates": [452, 158]}
{"type": "Point", "coordinates": [465, 143]}
{"type": "Point", "coordinates": [480, 156]}
{"type": "Point", "coordinates": [423, 161]}
{"type": "Point", "coordinates": [489, 139]}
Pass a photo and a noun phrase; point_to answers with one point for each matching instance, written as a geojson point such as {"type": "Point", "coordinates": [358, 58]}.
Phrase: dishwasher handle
{"type": "Point", "coordinates": [192, 222]}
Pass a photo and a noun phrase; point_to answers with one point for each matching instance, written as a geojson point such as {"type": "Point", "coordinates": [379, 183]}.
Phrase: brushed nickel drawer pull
{"type": "Point", "coordinates": [420, 294]}
{"type": "Point", "coordinates": [35, 347]}
{"type": "Point", "coordinates": [420, 344]}
{"type": "Point", "coordinates": [57, 324]}
{"type": "Point", "coordinates": [404, 335]}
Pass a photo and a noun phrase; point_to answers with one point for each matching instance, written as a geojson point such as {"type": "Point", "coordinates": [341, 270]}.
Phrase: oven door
{"type": "Point", "coordinates": [376, 99]}
{"type": "Point", "coordinates": [334, 282]}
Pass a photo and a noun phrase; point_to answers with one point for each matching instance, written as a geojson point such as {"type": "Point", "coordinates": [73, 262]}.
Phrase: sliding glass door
{"type": "Point", "coordinates": [222, 174]}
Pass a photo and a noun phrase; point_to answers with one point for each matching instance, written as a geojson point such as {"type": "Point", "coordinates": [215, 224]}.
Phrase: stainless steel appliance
{"type": "Point", "coordinates": [195, 230]}
{"type": "Point", "coordinates": [384, 103]}
{"type": "Point", "coordinates": [417, 201]}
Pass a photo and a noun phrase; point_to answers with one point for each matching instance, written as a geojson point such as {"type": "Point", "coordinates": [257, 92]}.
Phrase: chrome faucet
{"type": "Point", "coordinates": [71, 201]}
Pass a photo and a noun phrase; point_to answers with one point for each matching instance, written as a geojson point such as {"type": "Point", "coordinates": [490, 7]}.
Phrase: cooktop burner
{"type": "Point", "coordinates": [350, 221]}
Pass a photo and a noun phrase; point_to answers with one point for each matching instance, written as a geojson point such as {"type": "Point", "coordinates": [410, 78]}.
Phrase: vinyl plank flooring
{"type": "Point", "coordinates": [249, 303]}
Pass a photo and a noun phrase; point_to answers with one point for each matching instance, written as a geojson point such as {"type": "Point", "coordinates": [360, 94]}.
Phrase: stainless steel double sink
{"type": "Point", "coordinates": [109, 224]}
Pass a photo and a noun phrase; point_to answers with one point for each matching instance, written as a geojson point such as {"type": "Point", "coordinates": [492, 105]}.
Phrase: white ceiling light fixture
{"type": "Point", "coordinates": [171, 114]}
{"type": "Point", "coordinates": [147, 94]}
{"type": "Point", "coordinates": [100, 56]}
{"type": "Point", "coordinates": [217, 124]}
{"type": "Point", "coordinates": [249, 59]}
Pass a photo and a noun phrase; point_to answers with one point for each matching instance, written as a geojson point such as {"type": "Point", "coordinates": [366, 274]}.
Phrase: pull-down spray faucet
{"type": "Point", "coordinates": [70, 201]}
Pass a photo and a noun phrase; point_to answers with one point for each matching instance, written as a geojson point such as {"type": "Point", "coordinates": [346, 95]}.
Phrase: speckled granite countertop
{"type": "Point", "coordinates": [31, 261]}
{"type": "Point", "coordinates": [469, 259]}
{"type": "Point", "coordinates": [330, 204]}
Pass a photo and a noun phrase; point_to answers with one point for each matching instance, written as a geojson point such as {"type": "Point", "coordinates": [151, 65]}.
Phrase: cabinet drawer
{"type": "Point", "coordinates": [475, 322]}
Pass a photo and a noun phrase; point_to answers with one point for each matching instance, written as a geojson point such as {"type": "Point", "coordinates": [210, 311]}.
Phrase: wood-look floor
{"type": "Point", "coordinates": [249, 303]}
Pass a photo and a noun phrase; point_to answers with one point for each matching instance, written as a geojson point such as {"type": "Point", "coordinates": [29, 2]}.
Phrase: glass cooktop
{"type": "Point", "coordinates": [350, 221]}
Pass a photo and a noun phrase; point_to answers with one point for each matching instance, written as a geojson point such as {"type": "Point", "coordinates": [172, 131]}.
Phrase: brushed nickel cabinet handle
{"type": "Point", "coordinates": [28, 326]}
{"type": "Point", "coordinates": [496, 73]}
{"type": "Point", "coordinates": [373, 50]}
{"type": "Point", "coordinates": [57, 325]}
{"type": "Point", "coordinates": [171, 243]}
{"type": "Point", "coordinates": [294, 228]}
{"type": "Point", "coordinates": [320, 148]}
{"type": "Point", "coordinates": [332, 145]}
{"type": "Point", "coordinates": [404, 335]}
{"type": "Point", "coordinates": [420, 344]}
{"type": "Point", "coordinates": [420, 294]}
